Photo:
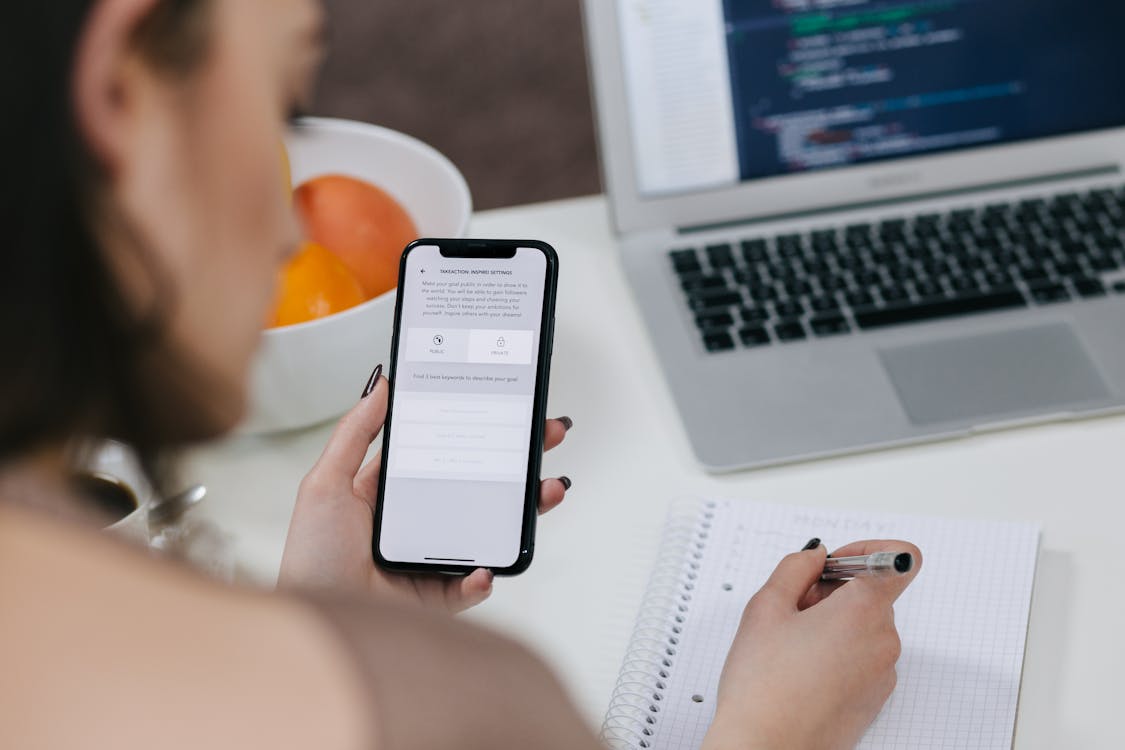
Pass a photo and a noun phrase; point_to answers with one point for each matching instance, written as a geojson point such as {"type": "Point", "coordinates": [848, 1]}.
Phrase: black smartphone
{"type": "Point", "coordinates": [463, 439]}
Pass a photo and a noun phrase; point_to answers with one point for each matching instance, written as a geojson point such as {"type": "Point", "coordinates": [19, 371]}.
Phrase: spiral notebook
{"type": "Point", "coordinates": [963, 623]}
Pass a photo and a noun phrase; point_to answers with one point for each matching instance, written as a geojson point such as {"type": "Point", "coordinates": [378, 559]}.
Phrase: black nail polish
{"type": "Point", "coordinates": [567, 423]}
{"type": "Point", "coordinates": [372, 381]}
{"type": "Point", "coordinates": [813, 544]}
{"type": "Point", "coordinates": [566, 482]}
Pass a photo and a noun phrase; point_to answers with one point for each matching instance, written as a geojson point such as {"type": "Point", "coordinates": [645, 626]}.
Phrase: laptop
{"type": "Point", "coordinates": [853, 224]}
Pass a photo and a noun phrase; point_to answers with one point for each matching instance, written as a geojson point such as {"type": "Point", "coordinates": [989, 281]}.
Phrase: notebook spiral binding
{"type": "Point", "coordinates": [633, 718]}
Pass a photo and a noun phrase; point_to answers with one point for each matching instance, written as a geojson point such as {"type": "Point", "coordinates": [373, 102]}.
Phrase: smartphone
{"type": "Point", "coordinates": [463, 439]}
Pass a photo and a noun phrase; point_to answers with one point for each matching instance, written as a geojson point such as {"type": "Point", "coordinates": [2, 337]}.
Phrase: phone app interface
{"type": "Point", "coordinates": [461, 418]}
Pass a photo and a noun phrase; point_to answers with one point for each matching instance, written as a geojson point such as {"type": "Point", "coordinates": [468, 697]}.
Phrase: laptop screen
{"type": "Point", "coordinates": [725, 91]}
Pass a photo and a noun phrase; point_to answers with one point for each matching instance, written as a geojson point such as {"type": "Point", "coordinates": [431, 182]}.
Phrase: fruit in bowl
{"type": "Point", "coordinates": [356, 234]}
{"type": "Point", "coordinates": [314, 284]}
{"type": "Point", "coordinates": [311, 371]}
{"type": "Point", "coordinates": [361, 223]}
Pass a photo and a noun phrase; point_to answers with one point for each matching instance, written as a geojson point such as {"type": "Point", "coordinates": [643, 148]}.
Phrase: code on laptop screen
{"type": "Point", "coordinates": [723, 91]}
{"type": "Point", "coordinates": [821, 84]}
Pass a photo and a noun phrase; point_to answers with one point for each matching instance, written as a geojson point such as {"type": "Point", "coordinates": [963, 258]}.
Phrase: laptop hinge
{"type": "Point", "coordinates": [1097, 171]}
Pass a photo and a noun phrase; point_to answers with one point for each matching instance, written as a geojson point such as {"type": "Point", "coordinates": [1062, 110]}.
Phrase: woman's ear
{"type": "Point", "coordinates": [109, 82]}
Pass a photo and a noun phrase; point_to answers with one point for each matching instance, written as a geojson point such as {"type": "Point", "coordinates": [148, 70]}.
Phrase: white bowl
{"type": "Point", "coordinates": [311, 372]}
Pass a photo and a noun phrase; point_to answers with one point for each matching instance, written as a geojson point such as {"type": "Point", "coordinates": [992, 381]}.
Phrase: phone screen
{"type": "Point", "coordinates": [458, 446]}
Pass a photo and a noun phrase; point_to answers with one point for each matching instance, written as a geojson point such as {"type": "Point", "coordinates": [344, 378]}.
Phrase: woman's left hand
{"type": "Point", "coordinates": [329, 542]}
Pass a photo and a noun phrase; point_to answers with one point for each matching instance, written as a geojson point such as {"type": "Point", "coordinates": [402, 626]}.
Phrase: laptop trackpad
{"type": "Point", "coordinates": [1039, 369]}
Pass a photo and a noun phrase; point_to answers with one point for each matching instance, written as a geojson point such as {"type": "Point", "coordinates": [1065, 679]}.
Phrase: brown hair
{"type": "Point", "coordinates": [73, 352]}
{"type": "Point", "coordinates": [174, 36]}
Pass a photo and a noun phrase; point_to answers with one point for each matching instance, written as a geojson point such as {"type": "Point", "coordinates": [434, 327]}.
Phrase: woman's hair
{"type": "Point", "coordinates": [72, 349]}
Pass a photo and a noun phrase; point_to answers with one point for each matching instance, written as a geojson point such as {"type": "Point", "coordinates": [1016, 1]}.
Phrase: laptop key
{"type": "Point", "coordinates": [686, 261]}
{"type": "Point", "coordinates": [755, 251]}
{"type": "Point", "coordinates": [962, 219]}
{"type": "Point", "coordinates": [714, 320]}
{"type": "Point", "coordinates": [918, 251]}
{"type": "Point", "coordinates": [704, 281]}
{"type": "Point", "coordinates": [1104, 263]}
{"type": "Point", "coordinates": [789, 249]}
{"type": "Point", "coordinates": [902, 272]}
{"type": "Point", "coordinates": [824, 241]}
{"type": "Point", "coordinates": [860, 298]}
{"type": "Point", "coordinates": [1068, 268]}
{"type": "Point", "coordinates": [789, 308]}
{"type": "Point", "coordinates": [928, 288]}
{"type": "Point", "coordinates": [1108, 241]}
{"type": "Point", "coordinates": [972, 263]}
{"type": "Point", "coordinates": [1046, 294]}
{"type": "Point", "coordinates": [833, 283]}
{"type": "Point", "coordinates": [754, 314]}
{"type": "Point", "coordinates": [717, 341]}
{"type": "Point", "coordinates": [789, 240]}
{"type": "Point", "coordinates": [999, 299]}
{"type": "Point", "coordinates": [824, 304]}
{"type": "Point", "coordinates": [721, 256]}
{"type": "Point", "coordinates": [749, 277]}
{"type": "Point", "coordinates": [777, 269]}
{"type": "Point", "coordinates": [818, 267]}
{"type": "Point", "coordinates": [797, 287]}
{"type": "Point", "coordinates": [706, 299]}
{"type": "Point", "coordinates": [892, 293]}
{"type": "Point", "coordinates": [789, 330]}
{"type": "Point", "coordinates": [962, 284]}
{"type": "Point", "coordinates": [998, 278]}
{"type": "Point", "coordinates": [1088, 287]}
{"type": "Point", "coordinates": [754, 336]}
{"type": "Point", "coordinates": [869, 278]}
{"type": "Point", "coordinates": [829, 325]}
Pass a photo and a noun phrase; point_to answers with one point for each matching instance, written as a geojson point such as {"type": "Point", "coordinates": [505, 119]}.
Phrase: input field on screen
{"type": "Point", "coordinates": [430, 462]}
{"type": "Point", "coordinates": [461, 409]}
{"type": "Point", "coordinates": [460, 435]}
{"type": "Point", "coordinates": [456, 436]}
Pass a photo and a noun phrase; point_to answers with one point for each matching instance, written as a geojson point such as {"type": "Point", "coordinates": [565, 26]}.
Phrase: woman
{"type": "Point", "coordinates": [147, 221]}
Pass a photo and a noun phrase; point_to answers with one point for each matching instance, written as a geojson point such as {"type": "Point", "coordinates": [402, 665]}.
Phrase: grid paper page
{"type": "Point", "coordinates": [963, 621]}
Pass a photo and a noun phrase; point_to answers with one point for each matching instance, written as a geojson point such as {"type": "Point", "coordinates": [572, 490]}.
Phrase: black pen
{"type": "Point", "coordinates": [877, 565]}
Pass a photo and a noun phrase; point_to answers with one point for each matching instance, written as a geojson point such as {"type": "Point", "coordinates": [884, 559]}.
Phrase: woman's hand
{"type": "Point", "coordinates": [329, 542]}
{"type": "Point", "coordinates": [812, 663]}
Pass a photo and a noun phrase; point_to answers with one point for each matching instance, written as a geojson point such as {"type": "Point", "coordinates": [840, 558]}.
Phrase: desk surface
{"type": "Point", "coordinates": [629, 457]}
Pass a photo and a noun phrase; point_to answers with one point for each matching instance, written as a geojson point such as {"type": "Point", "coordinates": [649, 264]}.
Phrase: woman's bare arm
{"type": "Point", "coordinates": [439, 682]}
{"type": "Point", "coordinates": [106, 647]}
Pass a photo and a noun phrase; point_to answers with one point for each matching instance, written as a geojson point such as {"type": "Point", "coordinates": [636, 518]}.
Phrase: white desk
{"type": "Point", "coordinates": [628, 457]}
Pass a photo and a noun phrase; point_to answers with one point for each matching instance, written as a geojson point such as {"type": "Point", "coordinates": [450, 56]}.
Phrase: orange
{"type": "Point", "coordinates": [314, 283]}
{"type": "Point", "coordinates": [362, 224]}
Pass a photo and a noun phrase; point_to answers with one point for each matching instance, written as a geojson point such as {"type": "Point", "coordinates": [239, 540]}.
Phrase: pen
{"type": "Point", "coordinates": [878, 565]}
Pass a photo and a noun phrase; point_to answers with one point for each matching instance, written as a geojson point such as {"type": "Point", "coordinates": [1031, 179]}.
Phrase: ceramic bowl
{"type": "Point", "coordinates": [311, 372]}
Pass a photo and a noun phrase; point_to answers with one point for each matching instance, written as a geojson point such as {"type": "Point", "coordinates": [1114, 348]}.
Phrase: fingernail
{"type": "Point", "coordinates": [567, 423]}
{"type": "Point", "coordinates": [566, 483]}
{"type": "Point", "coordinates": [813, 544]}
{"type": "Point", "coordinates": [491, 575]}
{"type": "Point", "coordinates": [372, 381]}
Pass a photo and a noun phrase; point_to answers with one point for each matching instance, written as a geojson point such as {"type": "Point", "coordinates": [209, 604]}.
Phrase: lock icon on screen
{"type": "Point", "coordinates": [501, 343]}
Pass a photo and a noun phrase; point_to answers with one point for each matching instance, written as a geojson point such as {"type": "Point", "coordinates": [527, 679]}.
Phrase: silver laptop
{"type": "Point", "coordinates": [852, 224]}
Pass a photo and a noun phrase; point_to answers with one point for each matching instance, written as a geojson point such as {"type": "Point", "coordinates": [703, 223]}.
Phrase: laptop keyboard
{"type": "Point", "coordinates": [769, 290]}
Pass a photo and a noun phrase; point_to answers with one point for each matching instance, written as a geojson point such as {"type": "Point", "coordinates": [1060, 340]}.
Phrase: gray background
{"type": "Point", "coordinates": [499, 86]}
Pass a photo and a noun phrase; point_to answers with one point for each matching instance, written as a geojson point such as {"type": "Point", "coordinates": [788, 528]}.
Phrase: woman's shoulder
{"type": "Point", "coordinates": [104, 645]}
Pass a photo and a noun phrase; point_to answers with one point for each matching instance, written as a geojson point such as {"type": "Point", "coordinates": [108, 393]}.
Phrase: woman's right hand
{"type": "Point", "coordinates": [812, 663]}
